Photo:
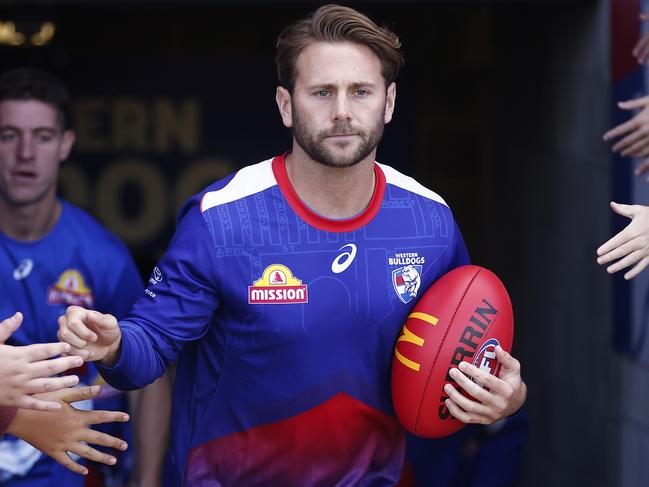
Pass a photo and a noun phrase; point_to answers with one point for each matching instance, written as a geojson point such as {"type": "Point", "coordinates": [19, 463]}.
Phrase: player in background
{"type": "Point", "coordinates": [630, 247]}
{"type": "Point", "coordinates": [282, 292]}
{"type": "Point", "coordinates": [52, 254]}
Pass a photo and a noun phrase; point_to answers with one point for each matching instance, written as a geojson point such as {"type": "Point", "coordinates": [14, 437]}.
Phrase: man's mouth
{"type": "Point", "coordinates": [23, 176]}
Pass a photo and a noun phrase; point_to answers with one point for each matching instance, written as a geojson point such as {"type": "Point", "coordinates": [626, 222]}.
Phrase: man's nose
{"type": "Point", "coordinates": [26, 148]}
{"type": "Point", "coordinates": [342, 108]}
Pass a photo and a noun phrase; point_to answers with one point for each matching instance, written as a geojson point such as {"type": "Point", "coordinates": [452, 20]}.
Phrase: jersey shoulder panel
{"type": "Point", "coordinates": [394, 177]}
{"type": "Point", "coordinates": [245, 182]}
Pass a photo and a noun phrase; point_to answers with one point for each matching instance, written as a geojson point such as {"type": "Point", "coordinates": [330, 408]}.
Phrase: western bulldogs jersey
{"type": "Point", "coordinates": [284, 324]}
{"type": "Point", "coordinates": [77, 263]}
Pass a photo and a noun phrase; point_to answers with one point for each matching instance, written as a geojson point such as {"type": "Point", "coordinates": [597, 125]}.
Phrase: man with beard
{"type": "Point", "coordinates": [281, 293]}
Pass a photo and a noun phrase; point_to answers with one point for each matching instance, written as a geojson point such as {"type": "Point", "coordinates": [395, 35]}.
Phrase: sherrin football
{"type": "Point", "coordinates": [463, 316]}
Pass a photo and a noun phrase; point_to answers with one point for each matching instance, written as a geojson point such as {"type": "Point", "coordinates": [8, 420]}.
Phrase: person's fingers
{"type": "Point", "coordinates": [637, 269]}
{"type": "Point", "coordinates": [67, 335]}
{"type": "Point", "coordinates": [644, 16]}
{"type": "Point", "coordinates": [464, 402]}
{"type": "Point", "coordinates": [628, 211]}
{"type": "Point", "coordinates": [102, 417]}
{"type": "Point", "coordinates": [43, 351]}
{"type": "Point", "coordinates": [74, 332]}
{"type": "Point", "coordinates": [630, 259]}
{"type": "Point", "coordinates": [619, 252]}
{"type": "Point", "coordinates": [509, 364]}
{"type": "Point", "coordinates": [640, 149]}
{"type": "Point", "coordinates": [79, 352]}
{"type": "Point", "coordinates": [64, 459]}
{"type": "Point", "coordinates": [39, 385]}
{"type": "Point", "coordinates": [484, 386]}
{"type": "Point", "coordinates": [463, 416]}
{"type": "Point", "coordinates": [89, 453]}
{"type": "Point", "coordinates": [46, 368]}
{"type": "Point", "coordinates": [614, 242]}
{"type": "Point", "coordinates": [643, 50]}
{"type": "Point", "coordinates": [102, 439]}
{"type": "Point", "coordinates": [641, 168]}
{"type": "Point", "coordinates": [102, 322]}
{"type": "Point", "coordinates": [621, 129]}
{"type": "Point", "coordinates": [623, 145]}
{"type": "Point", "coordinates": [639, 46]}
{"type": "Point", "coordinates": [8, 326]}
{"type": "Point", "coordinates": [634, 103]}
{"type": "Point", "coordinates": [637, 145]}
{"type": "Point", "coordinates": [79, 393]}
{"type": "Point", "coordinates": [31, 402]}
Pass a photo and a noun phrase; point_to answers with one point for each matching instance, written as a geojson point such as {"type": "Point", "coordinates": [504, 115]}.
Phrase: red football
{"type": "Point", "coordinates": [461, 317]}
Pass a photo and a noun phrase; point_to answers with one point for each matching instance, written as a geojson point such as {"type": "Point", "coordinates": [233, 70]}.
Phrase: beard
{"type": "Point", "coordinates": [315, 148]}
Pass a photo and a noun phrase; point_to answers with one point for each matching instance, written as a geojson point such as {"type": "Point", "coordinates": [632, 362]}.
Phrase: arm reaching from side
{"type": "Point", "coordinates": [26, 370]}
{"type": "Point", "coordinates": [56, 433]}
{"type": "Point", "coordinates": [630, 247]}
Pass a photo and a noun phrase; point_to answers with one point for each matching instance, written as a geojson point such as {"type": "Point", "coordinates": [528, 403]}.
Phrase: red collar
{"type": "Point", "coordinates": [319, 221]}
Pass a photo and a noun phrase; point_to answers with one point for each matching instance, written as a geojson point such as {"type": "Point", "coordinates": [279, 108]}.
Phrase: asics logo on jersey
{"type": "Point", "coordinates": [344, 260]}
{"type": "Point", "coordinates": [24, 269]}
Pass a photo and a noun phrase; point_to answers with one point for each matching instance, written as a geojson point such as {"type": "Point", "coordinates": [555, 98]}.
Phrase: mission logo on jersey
{"type": "Point", "coordinates": [277, 286]}
{"type": "Point", "coordinates": [70, 289]}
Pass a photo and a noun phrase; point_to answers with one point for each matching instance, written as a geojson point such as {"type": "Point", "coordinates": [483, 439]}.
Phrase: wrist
{"type": "Point", "coordinates": [18, 423]}
{"type": "Point", "coordinates": [7, 419]}
{"type": "Point", "coordinates": [114, 353]}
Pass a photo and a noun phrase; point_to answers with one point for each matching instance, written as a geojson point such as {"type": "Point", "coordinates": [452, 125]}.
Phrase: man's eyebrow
{"type": "Point", "coordinates": [332, 86]}
{"type": "Point", "coordinates": [13, 128]}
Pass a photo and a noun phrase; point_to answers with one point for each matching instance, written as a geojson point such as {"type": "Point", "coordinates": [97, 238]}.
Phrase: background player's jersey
{"type": "Point", "coordinates": [284, 323]}
{"type": "Point", "coordinates": [78, 262]}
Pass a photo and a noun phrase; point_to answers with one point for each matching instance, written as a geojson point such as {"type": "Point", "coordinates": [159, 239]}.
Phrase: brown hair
{"type": "Point", "coordinates": [335, 23]}
{"type": "Point", "coordinates": [34, 84]}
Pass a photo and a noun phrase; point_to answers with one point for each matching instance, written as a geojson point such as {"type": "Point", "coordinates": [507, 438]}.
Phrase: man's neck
{"type": "Point", "coordinates": [332, 192]}
{"type": "Point", "coordinates": [29, 222]}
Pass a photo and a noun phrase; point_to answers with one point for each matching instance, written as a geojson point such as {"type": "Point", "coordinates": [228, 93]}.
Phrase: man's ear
{"type": "Point", "coordinates": [67, 142]}
{"type": "Point", "coordinates": [390, 100]}
{"type": "Point", "coordinates": [283, 99]}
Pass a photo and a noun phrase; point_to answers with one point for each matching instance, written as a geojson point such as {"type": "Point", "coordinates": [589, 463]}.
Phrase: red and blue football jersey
{"type": "Point", "coordinates": [283, 323]}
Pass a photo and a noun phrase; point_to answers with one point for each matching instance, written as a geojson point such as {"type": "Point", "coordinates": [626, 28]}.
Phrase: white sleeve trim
{"type": "Point", "coordinates": [247, 181]}
{"type": "Point", "coordinates": [394, 177]}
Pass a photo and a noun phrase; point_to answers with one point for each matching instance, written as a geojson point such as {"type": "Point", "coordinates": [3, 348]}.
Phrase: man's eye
{"type": "Point", "coordinates": [45, 137]}
{"type": "Point", "coordinates": [7, 136]}
{"type": "Point", "coordinates": [323, 93]}
{"type": "Point", "coordinates": [362, 92]}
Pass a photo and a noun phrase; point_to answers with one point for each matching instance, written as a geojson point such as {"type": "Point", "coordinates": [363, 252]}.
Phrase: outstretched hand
{"type": "Point", "coordinates": [492, 398]}
{"type": "Point", "coordinates": [630, 247]}
{"type": "Point", "coordinates": [635, 142]}
{"type": "Point", "coordinates": [26, 370]}
{"type": "Point", "coordinates": [56, 433]}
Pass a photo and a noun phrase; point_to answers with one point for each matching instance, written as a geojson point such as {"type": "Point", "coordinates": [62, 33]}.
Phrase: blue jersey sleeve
{"type": "Point", "coordinates": [176, 308]}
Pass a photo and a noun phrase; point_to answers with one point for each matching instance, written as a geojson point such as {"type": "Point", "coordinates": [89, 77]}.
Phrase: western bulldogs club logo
{"type": "Point", "coordinates": [407, 281]}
